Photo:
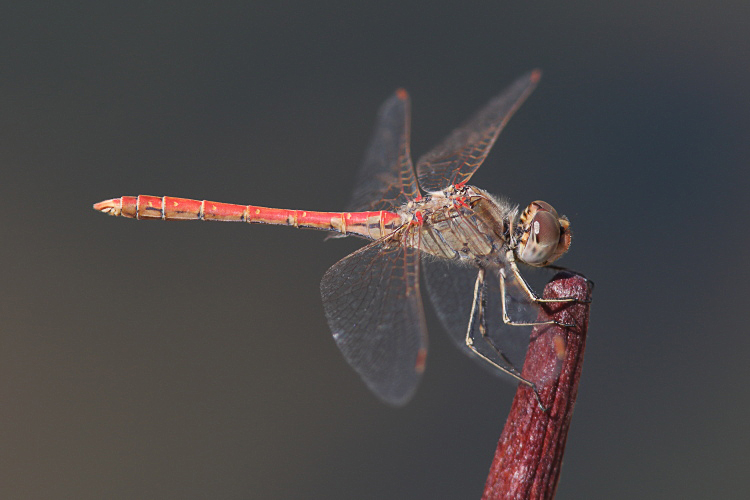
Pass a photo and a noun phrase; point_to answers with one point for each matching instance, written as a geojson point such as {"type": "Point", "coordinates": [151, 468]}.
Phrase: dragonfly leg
{"type": "Point", "coordinates": [478, 311]}
{"type": "Point", "coordinates": [508, 321]}
{"type": "Point", "coordinates": [561, 269]}
{"type": "Point", "coordinates": [530, 295]}
{"type": "Point", "coordinates": [527, 290]}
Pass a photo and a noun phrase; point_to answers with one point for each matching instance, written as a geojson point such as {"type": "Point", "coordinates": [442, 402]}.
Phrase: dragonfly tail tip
{"type": "Point", "coordinates": [110, 207]}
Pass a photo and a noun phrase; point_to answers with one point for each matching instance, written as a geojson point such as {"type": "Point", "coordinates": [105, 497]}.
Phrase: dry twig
{"type": "Point", "coordinates": [530, 450]}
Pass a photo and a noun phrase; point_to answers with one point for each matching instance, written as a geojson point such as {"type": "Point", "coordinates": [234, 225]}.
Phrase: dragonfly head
{"type": "Point", "coordinates": [542, 235]}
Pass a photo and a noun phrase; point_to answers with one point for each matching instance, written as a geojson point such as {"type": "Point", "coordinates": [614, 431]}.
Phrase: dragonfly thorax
{"type": "Point", "coordinates": [468, 224]}
{"type": "Point", "coordinates": [465, 224]}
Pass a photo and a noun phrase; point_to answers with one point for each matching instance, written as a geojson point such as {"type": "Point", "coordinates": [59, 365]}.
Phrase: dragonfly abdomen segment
{"type": "Point", "coordinates": [372, 225]}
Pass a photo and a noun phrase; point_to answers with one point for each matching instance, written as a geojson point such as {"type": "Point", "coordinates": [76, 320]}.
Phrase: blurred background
{"type": "Point", "coordinates": [193, 360]}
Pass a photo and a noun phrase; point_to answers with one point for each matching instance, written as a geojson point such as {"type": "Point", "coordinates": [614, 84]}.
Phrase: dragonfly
{"type": "Point", "coordinates": [467, 243]}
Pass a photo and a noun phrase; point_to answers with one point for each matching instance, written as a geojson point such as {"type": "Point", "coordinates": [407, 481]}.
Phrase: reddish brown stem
{"type": "Point", "coordinates": [530, 450]}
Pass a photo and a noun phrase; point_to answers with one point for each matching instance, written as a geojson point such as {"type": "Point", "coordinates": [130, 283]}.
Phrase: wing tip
{"type": "Point", "coordinates": [536, 75]}
{"type": "Point", "coordinates": [402, 94]}
{"type": "Point", "coordinates": [421, 360]}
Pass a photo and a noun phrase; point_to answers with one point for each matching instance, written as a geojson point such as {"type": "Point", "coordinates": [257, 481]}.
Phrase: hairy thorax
{"type": "Point", "coordinates": [465, 224]}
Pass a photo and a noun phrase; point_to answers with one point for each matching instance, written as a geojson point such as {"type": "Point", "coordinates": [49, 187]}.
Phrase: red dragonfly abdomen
{"type": "Point", "coordinates": [372, 225]}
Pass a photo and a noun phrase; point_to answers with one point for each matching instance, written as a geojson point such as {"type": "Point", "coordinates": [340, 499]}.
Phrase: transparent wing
{"type": "Point", "coordinates": [461, 154]}
{"type": "Point", "coordinates": [386, 179]}
{"type": "Point", "coordinates": [374, 309]}
{"type": "Point", "coordinates": [451, 290]}
{"type": "Point", "coordinates": [451, 287]}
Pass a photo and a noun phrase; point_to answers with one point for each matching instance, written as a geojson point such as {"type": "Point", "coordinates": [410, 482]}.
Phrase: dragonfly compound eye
{"type": "Point", "coordinates": [546, 235]}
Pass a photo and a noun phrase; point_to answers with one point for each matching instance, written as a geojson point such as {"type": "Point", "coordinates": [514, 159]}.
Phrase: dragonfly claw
{"type": "Point", "coordinates": [539, 403]}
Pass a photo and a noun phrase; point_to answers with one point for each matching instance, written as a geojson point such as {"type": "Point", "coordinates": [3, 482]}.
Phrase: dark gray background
{"type": "Point", "coordinates": [192, 360]}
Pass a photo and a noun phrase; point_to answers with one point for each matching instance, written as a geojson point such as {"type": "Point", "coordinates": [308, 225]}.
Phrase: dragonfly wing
{"type": "Point", "coordinates": [374, 308]}
{"type": "Point", "coordinates": [451, 288]}
{"type": "Point", "coordinates": [386, 179]}
{"type": "Point", "coordinates": [461, 154]}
